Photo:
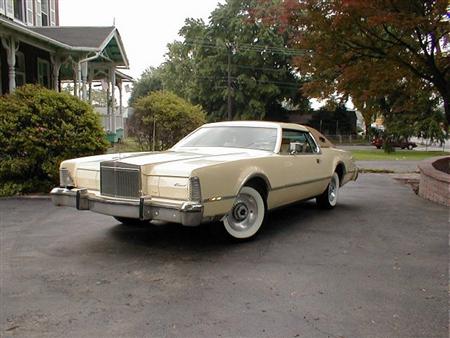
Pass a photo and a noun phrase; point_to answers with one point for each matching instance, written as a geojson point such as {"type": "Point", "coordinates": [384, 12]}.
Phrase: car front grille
{"type": "Point", "coordinates": [120, 180]}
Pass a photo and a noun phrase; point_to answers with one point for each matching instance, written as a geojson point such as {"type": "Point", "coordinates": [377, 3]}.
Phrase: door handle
{"type": "Point", "coordinates": [318, 160]}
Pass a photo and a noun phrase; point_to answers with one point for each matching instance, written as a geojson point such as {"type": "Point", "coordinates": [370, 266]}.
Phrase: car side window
{"type": "Point", "coordinates": [297, 136]}
{"type": "Point", "coordinates": [315, 148]}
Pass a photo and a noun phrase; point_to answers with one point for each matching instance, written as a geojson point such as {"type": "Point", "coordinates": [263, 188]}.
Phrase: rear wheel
{"type": "Point", "coordinates": [410, 147]}
{"type": "Point", "coordinates": [329, 197]}
{"type": "Point", "coordinates": [131, 221]}
{"type": "Point", "coordinates": [247, 214]}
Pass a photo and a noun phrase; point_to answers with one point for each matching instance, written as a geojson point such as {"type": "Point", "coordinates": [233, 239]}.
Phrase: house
{"type": "Point", "coordinates": [35, 49]}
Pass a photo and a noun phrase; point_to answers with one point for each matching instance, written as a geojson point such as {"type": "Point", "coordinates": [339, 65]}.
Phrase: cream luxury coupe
{"type": "Point", "coordinates": [228, 171]}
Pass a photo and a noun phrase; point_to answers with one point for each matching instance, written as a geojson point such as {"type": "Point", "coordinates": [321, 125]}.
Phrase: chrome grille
{"type": "Point", "coordinates": [120, 180]}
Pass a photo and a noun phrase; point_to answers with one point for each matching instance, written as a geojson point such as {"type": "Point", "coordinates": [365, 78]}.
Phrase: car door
{"type": "Point", "coordinates": [302, 173]}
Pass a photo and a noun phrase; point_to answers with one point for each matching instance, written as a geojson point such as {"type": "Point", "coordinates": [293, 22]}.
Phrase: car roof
{"type": "Point", "coordinates": [260, 124]}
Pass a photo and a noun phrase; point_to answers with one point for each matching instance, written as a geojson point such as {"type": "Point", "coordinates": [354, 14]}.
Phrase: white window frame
{"type": "Point", "coordinates": [38, 13]}
{"type": "Point", "coordinates": [45, 10]}
{"type": "Point", "coordinates": [40, 76]}
{"type": "Point", "coordinates": [20, 7]}
{"type": "Point", "coordinates": [2, 6]}
{"type": "Point", "coordinates": [29, 12]}
{"type": "Point", "coordinates": [52, 12]}
{"type": "Point", "coordinates": [9, 8]}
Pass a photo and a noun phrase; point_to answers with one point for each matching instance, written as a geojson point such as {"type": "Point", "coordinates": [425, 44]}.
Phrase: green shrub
{"type": "Point", "coordinates": [38, 129]}
{"type": "Point", "coordinates": [172, 117]}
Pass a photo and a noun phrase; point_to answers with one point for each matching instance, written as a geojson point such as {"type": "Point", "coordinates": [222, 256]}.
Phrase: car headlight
{"type": "Point", "coordinates": [195, 193]}
{"type": "Point", "coordinates": [65, 180]}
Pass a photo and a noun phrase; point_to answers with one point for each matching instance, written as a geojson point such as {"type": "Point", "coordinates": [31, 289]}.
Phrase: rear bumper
{"type": "Point", "coordinates": [186, 213]}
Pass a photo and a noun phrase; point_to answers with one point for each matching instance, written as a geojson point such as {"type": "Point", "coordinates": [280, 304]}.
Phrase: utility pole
{"type": "Point", "coordinates": [230, 115]}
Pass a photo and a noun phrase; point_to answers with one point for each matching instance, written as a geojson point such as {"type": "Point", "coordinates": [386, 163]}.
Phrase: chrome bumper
{"type": "Point", "coordinates": [186, 213]}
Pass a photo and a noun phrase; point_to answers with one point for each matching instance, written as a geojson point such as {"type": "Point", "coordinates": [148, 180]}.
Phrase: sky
{"type": "Point", "coordinates": [146, 26]}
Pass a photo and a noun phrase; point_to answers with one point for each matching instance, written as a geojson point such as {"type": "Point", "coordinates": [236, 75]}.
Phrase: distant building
{"type": "Point", "coordinates": [35, 49]}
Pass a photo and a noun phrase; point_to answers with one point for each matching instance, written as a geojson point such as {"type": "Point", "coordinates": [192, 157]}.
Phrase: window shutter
{"type": "Point", "coordinates": [38, 13]}
{"type": "Point", "coordinates": [2, 6]}
{"type": "Point", "coordinates": [29, 12]}
{"type": "Point", "coordinates": [9, 4]}
{"type": "Point", "coordinates": [52, 4]}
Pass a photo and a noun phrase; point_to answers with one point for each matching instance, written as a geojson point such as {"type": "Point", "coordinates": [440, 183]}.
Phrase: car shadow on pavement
{"type": "Point", "coordinates": [280, 223]}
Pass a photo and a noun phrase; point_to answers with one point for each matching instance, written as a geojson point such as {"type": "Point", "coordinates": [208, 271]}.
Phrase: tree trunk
{"type": "Point", "coordinates": [447, 109]}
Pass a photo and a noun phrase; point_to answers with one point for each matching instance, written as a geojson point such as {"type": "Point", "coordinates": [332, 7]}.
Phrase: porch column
{"type": "Point", "coordinates": [76, 67]}
{"type": "Point", "coordinates": [56, 67]}
{"type": "Point", "coordinates": [108, 104]}
{"type": "Point", "coordinates": [113, 92]}
{"type": "Point", "coordinates": [119, 84]}
{"type": "Point", "coordinates": [11, 46]}
{"type": "Point", "coordinates": [90, 79]}
{"type": "Point", "coordinates": [84, 77]}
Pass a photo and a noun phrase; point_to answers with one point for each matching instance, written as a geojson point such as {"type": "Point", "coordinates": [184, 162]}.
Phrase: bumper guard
{"type": "Point", "coordinates": [185, 213]}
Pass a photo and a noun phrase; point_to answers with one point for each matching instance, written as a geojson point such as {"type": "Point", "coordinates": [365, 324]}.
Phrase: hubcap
{"type": "Point", "coordinates": [244, 213]}
{"type": "Point", "coordinates": [332, 190]}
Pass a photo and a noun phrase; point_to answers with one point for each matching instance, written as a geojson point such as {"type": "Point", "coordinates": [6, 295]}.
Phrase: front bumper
{"type": "Point", "coordinates": [186, 213]}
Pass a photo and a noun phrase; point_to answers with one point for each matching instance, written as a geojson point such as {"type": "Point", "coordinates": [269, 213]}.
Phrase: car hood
{"type": "Point", "coordinates": [173, 162]}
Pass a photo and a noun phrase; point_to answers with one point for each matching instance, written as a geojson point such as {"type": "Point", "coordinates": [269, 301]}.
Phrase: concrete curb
{"type": "Point", "coordinates": [27, 197]}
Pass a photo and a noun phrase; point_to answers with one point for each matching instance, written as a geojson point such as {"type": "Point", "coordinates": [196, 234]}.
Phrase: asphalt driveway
{"type": "Point", "coordinates": [376, 266]}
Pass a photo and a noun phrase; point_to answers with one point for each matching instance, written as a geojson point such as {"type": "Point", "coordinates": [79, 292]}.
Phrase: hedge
{"type": "Point", "coordinates": [38, 129]}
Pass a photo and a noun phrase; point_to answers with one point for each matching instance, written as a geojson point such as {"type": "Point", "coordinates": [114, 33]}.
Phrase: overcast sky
{"type": "Point", "coordinates": [146, 26]}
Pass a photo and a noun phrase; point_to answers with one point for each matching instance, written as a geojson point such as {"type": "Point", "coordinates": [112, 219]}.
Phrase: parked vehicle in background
{"type": "Point", "coordinates": [229, 171]}
{"type": "Point", "coordinates": [403, 144]}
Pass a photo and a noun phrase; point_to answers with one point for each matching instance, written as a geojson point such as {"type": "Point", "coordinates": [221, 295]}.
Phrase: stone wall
{"type": "Point", "coordinates": [434, 180]}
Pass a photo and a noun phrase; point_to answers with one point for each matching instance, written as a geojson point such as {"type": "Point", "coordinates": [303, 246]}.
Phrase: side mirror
{"type": "Point", "coordinates": [296, 147]}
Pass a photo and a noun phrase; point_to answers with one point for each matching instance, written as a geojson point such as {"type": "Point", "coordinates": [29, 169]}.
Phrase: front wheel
{"type": "Point", "coordinates": [246, 216]}
{"type": "Point", "coordinates": [131, 221]}
{"type": "Point", "coordinates": [329, 197]}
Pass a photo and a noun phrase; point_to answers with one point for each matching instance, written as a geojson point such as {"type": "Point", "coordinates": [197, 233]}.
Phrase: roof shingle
{"type": "Point", "coordinates": [89, 37]}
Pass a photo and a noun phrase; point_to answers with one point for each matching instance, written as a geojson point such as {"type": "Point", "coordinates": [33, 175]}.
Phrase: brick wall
{"type": "Point", "coordinates": [434, 184]}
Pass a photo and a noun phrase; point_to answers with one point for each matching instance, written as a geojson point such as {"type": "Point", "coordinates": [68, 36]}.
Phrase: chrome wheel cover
{"type": "Point", "coordinates": [333, 190]}
{"type": "Point", "coordinates": [244, 214]}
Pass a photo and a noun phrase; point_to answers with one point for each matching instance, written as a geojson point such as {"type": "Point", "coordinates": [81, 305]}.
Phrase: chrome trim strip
{"type": "Point", "coordinates": [301, 183]}
{"type": "Point", "coordinates": [121, 168]}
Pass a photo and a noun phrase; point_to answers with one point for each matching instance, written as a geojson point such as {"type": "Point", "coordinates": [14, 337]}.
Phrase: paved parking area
{"type": "Point", "coordinates": [376, 266]}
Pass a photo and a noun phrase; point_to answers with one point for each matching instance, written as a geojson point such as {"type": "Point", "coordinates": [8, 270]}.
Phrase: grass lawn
{"type": "Point", "coordinates": [398, 155]}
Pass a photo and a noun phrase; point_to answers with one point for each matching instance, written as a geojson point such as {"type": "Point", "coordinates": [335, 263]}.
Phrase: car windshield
{"type": "Point", "coordinates": [232, 136]}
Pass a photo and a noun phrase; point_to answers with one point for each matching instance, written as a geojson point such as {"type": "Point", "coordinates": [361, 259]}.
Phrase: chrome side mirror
{"type": "Point", "coordinates": [296, 148]}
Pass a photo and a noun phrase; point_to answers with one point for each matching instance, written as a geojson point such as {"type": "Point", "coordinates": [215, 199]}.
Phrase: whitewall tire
{"type": "Point", "coordinates": [247, 214]}
{"type": "Point", "coordinates": [329, 197]}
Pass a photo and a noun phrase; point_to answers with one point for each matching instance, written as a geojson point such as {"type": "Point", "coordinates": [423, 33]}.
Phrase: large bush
{"type": "Point", "coordinates": [38, 129]}
{"type": "Point", "coordinates": [171, 116]}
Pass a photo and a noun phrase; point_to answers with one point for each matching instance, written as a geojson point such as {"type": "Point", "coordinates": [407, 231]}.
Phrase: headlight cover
{"type": "Point", "coordinates": [65, 180]}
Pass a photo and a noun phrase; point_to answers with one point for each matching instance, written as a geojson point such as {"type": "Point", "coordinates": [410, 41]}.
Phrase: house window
{"type": "Point", "coordinates": [2, 6]}
{"type": "Point", "coordinates": [9, 8]}
{"type": "Point", "coordinates": [20, 69]}
{"type": "Point", "coordinates": [44, 13]}
{"type": "Point", "coordinates": [18, 10]}
{"type": "Point", "coordinates": [29, 12]}
{"type": "Point", "coordinates": [44, 72]}
{"type": "Point", "coordinates": [38, 13]}
{"type": "Point", "coordinates": [52, 8]}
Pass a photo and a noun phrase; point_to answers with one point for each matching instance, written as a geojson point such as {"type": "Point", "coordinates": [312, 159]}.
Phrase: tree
{"type": "Point", "coordinates": [234, 64]}
{"type": "Point", "coordinates": [38, 129]}
{"type": "Point", "coordinates": [349, 43]}
{"type": "Point", "coordinates": [165, 114]}
{"type": "Point", "coordinates": [149, 81]}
